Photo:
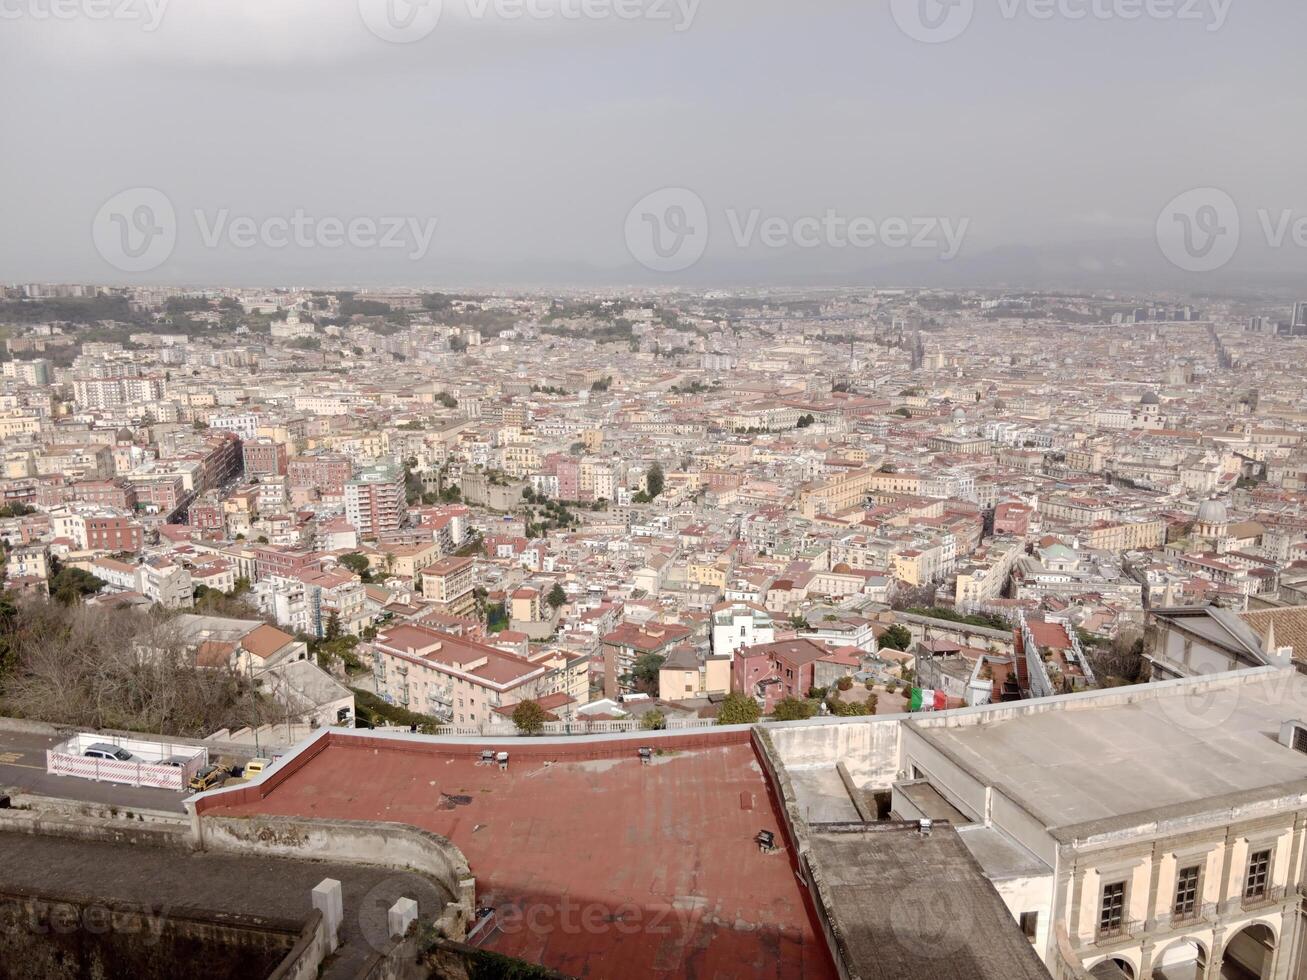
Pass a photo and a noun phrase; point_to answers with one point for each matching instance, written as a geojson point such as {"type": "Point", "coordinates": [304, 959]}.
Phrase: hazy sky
{"type": "Point", "coordinates": [528, 141]}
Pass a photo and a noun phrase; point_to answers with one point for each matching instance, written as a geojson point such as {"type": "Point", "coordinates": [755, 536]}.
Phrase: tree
{"type": "Point", "coordinates": [654, 480]}
{"type": "Point", "coordinates": [793, 709]}
{"type": "Point", "coordinates": [738, 709]}
{"type": "Point", "coordinates": [69, 585]}
{"type": "Point", "coordinates": [92, 667]}
{"type": "Point", "coordinates": [653, 721]}
{"type": "Point", "coordinates": [332, 631]}
{"type": "Point", "coordinates": [8, 625]}
{"type": "Point", "coordinates": [557, 597]}
{"type": "Point", "coordinates": [845, 683]}
{"type": "Point", "coordinates": [849, 709]}
{"type": "Point", "coordinates": [358, 564]}
{"type": "Point", "coordinates": [529, 718]}
{"type": "Point", "coordinates": [897, 637]}
{"type": "Point", "coordinates": [644, 675]}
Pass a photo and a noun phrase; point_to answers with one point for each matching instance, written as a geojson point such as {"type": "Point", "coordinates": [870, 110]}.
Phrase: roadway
{"type": "Point", "coordinates": [22, 768]}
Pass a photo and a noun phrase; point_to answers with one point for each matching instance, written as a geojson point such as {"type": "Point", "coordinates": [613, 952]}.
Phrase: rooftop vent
{"type": "Point", "coordinates": [646, 754]}
{"type": "Point", "coordinates": [1293, 735]}
{"type": "Point", "coordinates": [925, 826]}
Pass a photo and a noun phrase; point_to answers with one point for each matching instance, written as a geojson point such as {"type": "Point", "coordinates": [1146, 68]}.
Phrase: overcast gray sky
{"type": "Point", "coordinates": [529, 141]}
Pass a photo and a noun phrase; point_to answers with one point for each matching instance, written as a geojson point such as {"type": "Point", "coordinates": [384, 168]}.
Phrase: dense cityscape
{"type": "Point", "coordinates": [653, 490]}
{"type": "Point", "coordinates": [252, 521]}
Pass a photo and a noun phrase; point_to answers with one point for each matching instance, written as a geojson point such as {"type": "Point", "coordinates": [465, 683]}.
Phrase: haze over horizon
{"type": "Point", "coordinates": [515, 151]}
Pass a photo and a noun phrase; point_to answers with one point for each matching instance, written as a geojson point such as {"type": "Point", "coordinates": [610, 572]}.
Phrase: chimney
{"type": "Point", "coordinates": [1279, 656]}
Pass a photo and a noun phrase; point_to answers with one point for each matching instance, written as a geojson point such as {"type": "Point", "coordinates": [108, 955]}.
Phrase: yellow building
{"type": "Point", "coordinates": [711, 574]}
{"type": "Point", "coordinates": [837, 493]}
{"type": "Point", "coordinates": [526, 606]}
{"type": "Point", "coordinates": [1126, 535]}
{"type": "Point", "coordinates": [407, 561]}
{"type": "Point", "coordinates": [683, 676]}
{"type": "Point", "coordinates": [449, 584]}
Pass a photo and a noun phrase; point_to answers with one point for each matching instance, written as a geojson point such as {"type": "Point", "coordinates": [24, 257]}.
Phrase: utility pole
{"type": "Point", "coordinates": [254, 703]}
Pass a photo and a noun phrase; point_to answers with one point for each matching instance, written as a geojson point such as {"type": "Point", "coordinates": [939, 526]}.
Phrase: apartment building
{"type": "Point", "coordinates": [97, 528]}
{"type": "Point", "coordinates": [375, 500]}
{"type": "Point", "coordinates": [985, 577]}
{"type": "Point", "coordinates": [1138, 535]}
{"type": "Point", "coordinates": [740, 624]}
{"type": "Point", "coordinates": [837, 493]}
{"type": "Point", "coordinates": [324, 472]}
{"type": "Point", "coordinates": [684, 675]}
{"type": "Point", "coordinates": [449, 585]}
{"type": "Point", "coordinates": [163, 581]}
{"type": "Point", "coordinates": [455, 679]}
{"type": "Point", "coordinates": [264, 458]}
{"type": "Point", "coordinates": [627, 643]}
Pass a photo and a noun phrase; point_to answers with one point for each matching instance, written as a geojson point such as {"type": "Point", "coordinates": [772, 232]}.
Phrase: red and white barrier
{"type": "Point", "coordinates": [67, 759]}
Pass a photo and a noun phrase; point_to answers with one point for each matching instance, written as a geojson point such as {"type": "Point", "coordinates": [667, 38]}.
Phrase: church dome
{"type": "Point", "coordinates": [1213, 512]}
{"type": "Point", "coordinates": [1150, 398]}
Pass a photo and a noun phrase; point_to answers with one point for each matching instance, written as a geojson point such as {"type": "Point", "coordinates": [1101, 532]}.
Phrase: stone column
{"type": "Point", "coordinates": [1146, 959]}
{"type": "Point", "coordinates": [327, 900]}
{"type": "Point", "coordinates": [1214, 956]}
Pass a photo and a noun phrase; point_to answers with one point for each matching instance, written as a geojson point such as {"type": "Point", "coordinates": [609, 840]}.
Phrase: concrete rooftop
{"type": "Point", "coordinates": [909, 906]}
{"type": "Point", "coordinates": [1119, 755]}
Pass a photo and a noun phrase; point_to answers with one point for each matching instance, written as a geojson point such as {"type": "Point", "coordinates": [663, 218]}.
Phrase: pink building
{"type": "Point", "coordinates": [1011, 518]}
{"type": "Point", "coordinates": [569, 479]}
{"type": "Point", "coordinates": [774, 671]}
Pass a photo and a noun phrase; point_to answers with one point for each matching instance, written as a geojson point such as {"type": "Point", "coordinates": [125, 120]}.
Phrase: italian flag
{"type": "Point", "coordinates": [925, 699]}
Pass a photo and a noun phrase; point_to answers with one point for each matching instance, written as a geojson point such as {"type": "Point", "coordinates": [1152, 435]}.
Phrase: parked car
{"type": "Point", "coordinates": [255, 767]}
{"type": "Point", "coordinates": [180, 761]}
{"type": "Point", "coordinates": [110, 753]}
{"type": "Point", "coordinates": [210, 777]}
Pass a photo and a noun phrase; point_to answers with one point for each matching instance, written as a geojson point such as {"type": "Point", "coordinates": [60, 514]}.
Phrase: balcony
{"type": "Point", "coordinates": [1119, 933]}
{"type": "Point", "coordinates": [1205, 912]}
{"type": "Point", "coordinates": [1268, 896]}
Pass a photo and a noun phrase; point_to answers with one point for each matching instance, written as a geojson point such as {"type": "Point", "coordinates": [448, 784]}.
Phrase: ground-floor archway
{"type": "Point", "coordinates": [1113, 969]}
{"type": "Point", "coordinates": [1183, 960]}
{"type": "Point", "coordinates": [1249, 953]}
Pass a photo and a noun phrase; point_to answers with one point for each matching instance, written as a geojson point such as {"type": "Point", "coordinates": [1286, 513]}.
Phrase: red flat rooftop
{"type": "Point", "coordinates": [589, 858]}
